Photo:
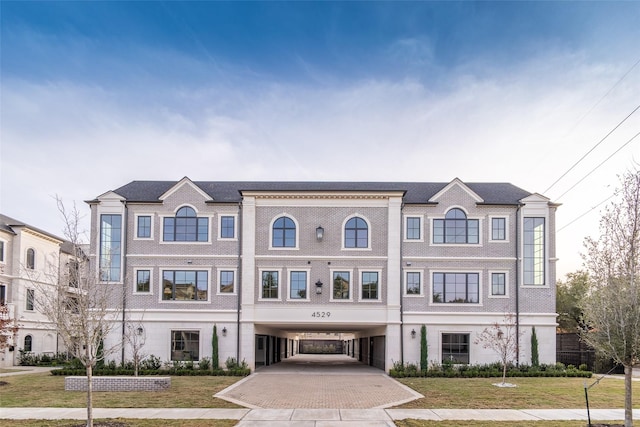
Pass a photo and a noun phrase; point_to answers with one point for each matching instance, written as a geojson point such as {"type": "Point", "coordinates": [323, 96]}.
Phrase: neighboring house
{"type": "Point", "coordinates": [268, 262]}
{"type": "Point", "coordinates": [29, 259]}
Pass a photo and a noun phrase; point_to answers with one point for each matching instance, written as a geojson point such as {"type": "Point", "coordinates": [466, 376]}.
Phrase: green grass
{"type": "Point", "coordinates": [479, 393]}
{"type": "Point", "coordinates": [424, 423]}
{"type": "Point", "coordinates": [46, 390]}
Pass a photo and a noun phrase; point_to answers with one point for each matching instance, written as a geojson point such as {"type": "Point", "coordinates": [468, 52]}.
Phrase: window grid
{"type": "Point", "coordinates": [269, 284]}
{"type": "Point", "coordinates": [534, 251]}
{"type": "Point", "coordinates": [341, 285]}
{"type": "Point", "coordinates": [1, 251]}
{"type": "Point", "coordinates": [370, 285]}
{"type": "Point", "coordinates": [227, 227]}
{"type": "Point", "coordinates": [110, 247]}
{"type": "Point", "coordinates": [455, 348]}
{"type": "Point", "coordinates": [456, 228]}
{"type": "Point", "coordinates": [28, 343]}
{"type": "Point", "coordinates": [413, 228]}
{"type": "Point", "coordinates": [185, 285]}
{"type": "Point", "coordinates": [185, 345]}
{"type": "Point", "coordinates": [284, 233]}
{"type": "Point", "coordinates": [498, 284]}
{"type": "Point", "coordinates": [227, 280]}
{"type": "Point", "coordinates": [413, 283]}
{"type": "Point", "coordinates": [186, 227]}
{"type": "Point", "coordinates": [144, 227]}
{"type": "Point", "coordinates": [298, 285]}
{"type": "Point", "coordinates": [498, 229]}
{"type": "Point", "coordinates": [31, 258]}
{"type": "Point", "coordinates": [31, 298]}
{"type": "Point", "coordinates": [143, 281]}
{"type": "Point", "coordinates": [457, 288]}
{"type": "Point", "coordinates": [356, 233]}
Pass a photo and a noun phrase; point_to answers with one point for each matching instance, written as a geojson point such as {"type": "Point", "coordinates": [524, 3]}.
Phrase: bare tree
{"type": "Point", "coordinates": [136, 336]}
{"type": "Point", "coordinates": [82, 309]}
{"type": "Point", "coordinates": [8, 327]}
{"type": "Point", "coordinates": [503, 339]}
{"type": "Point", "coordinates": [611, 307]}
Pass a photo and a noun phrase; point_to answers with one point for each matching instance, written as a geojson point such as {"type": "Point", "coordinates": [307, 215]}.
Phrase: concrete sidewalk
{"type": "Point", "coordinates": [318, 417]}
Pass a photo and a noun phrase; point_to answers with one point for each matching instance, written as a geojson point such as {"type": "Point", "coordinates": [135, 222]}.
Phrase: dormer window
{"type": "Point", "coordinates": [455, 228]}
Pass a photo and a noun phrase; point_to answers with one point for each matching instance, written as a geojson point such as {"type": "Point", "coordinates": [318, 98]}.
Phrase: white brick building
{"type": "Point", "coordinates": [269, 261]}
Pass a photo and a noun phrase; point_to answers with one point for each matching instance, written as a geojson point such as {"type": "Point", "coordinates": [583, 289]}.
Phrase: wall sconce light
{"type": "Point", "coordinates": [408, 263]}
{"type": "Point", "coordinates": [413, 333]}
{"type": "Point", "coordinates": [189, 261]}
{"type": "Point", "coordinates": [319, 233]}
{"type": "Point", "coordinates": [224, 331]}
{"type": "Point", "coordinates": [140, 330]}
{"type": "Point", "coordinates": [318, 287]}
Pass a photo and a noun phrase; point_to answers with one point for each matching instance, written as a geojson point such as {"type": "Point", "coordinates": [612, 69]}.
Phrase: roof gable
{"type": "Point", "coordinates": [457, 183]}
{"type": "Point", "coordinates": [184, 182]}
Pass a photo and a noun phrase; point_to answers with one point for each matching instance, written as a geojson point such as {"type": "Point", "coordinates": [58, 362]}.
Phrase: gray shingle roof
{"type": "Point", "coordinates": [231, 191]}
{"type": "Point", "coordinates": [7, 223]}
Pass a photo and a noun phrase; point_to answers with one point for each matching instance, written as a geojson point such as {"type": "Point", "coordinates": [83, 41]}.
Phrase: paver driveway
{"type": "Point", "coordinates": [318, 382]}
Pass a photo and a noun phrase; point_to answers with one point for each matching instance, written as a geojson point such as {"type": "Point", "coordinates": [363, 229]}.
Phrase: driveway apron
{"type": "Point", "coordinates": [318, 382]}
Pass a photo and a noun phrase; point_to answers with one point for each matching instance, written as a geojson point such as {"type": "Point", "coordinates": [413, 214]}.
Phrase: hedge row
{"type": "Point", "coordinates": [487, 371]}
{"type": "Point", "coordinates": [240, 372]}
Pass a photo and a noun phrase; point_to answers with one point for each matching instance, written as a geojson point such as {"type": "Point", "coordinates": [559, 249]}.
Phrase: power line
{"type": "Point", "coordinates": [601, 163]}
{"type": "Point", "coordinates": [592, 148]}
{"type": "Point", "coordinates": [585, 213]}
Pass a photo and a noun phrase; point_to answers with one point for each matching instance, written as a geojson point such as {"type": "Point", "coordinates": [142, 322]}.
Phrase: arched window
{"type": "Point", "coordinates": [284, 233]}
{"type": "Point", "coordinates": [31, 258]}
{"type": "Point", "coordinates": [356, 233]}
{"type": "Point", "coordinates": [455, 228]}
{"type": "Point", "coordinates": [28, 343]}
{"type": "Point", "coordinates": [186, 226]}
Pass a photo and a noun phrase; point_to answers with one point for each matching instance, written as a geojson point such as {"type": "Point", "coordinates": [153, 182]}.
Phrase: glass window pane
{"type": "Point", "coordinates": [341, 282]}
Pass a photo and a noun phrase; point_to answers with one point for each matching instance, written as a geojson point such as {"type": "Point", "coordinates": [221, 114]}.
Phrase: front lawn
{"type": "Point", "coordinates": [479, 393]}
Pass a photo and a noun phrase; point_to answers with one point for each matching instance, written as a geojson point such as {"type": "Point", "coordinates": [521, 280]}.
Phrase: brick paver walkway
{"type": "Point", "coordinates": [318, 382]}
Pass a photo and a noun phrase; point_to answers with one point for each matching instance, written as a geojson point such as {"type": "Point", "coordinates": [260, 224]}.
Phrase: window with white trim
{"type": "Point", "coordinates": [498, 284]}
{"type": "Point", "coordinates": [185, 285]}
{"type": "Point", "coordinates": [227, 227]}
{"type": "Point", "coordinates": [185, 345]}
{"type": "Point", "coordinates": [456, 288]}
{"type": "Point", "coordinates": [143, 226]}
{"type": "Point", "coordinates": [227, 282]}
{"type": "Point", "coordinates": [370, 285]}
{"type": "Point", "coordinates": [413, 228]}
{"type": "Point", "coordinates": [455, 348]}
{"type": "Point", "coordinates": [455, 228]}
{"type": "Point", "coordinates": [498, 229]}
{"type": "Point", "coordinates": [298, 285]}
{"type": "Point", "coordinates": [356, 233]}
{"type": "Point", "coordinates": [341, 285]}
{"type": "Point", "coordinates": [534, 251]}
{"type": "Point", "coordinates": [143, 281]}
{"type": "Point", "coordinates": [186, 226]}
{"type": "Point", "coordinates": [413, 283]}
{"type": "Point", "coordinates": [270, 284]}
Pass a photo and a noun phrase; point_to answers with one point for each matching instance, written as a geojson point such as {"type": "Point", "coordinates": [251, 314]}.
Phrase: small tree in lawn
{"type": "Point", "coordinates": [8, 327]}
{"type": "Point", "coordinates": [82, 309]}
{"type": "Point", "coordinates": [503, 340]}
{"type": "Point", "coordinates": [611, 307]}
{"type": "Point", "coordinates": [424, 351]}
{"type": "Point", "coordinates": [136, 337]}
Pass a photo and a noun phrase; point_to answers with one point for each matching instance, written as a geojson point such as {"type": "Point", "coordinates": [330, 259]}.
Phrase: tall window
{"type": "Point", "coordinates": [181, 285]}
{"type": "Point", "coordinates": [110, 247]}
{"type": "Point", "coordinates": [370, 285]}
{"type": "Point", "coordinates": [28, 343]}
{"type": "Point", "coordinates": [284, 233]}
{"type": "Point", "coordinates": [186, 227]}
{"type": "Point", "coordinates": [298, 285]}
{"type": "Point", "coordinates": [455, 348]}
{"type": "Point", "coordinates": [455, 228]}
{"type": "Point", "coordinates": [534, 251]}
{"type": "Point", "coordinates": [144, 227]}
{"type": "Point", "coordinates": [341, 284]}
{"type": "Point", "coordinates": [413, 228]}
{"type": "Point", "coordinates": [185, 345]}
{"type": "Point", "coordinates": [31, 258]}
{"type": "Point", "coordinates": [413, 283]}
{"type": "Point", "coordinates": [1, 251]}
{"type": "Point", "coordinates": [227, 227]}
{"type": "Point", "coordinates": [270, 284]}
{"type": "Point", "coordinates": [143, 281]}
{"type": "Point", "coordinates": [356, 233]}
{"type": "Point", "coordinates": [498, 228]}
{"type": "Point", "coordinates": [456, 288]}
{"type": "Point", "coordinates": [498, 284]}
{"type": "Point", "coordinates": [31, 299]}
{"type": "Point", "coordinates": [3, 294]}
{"type": "Point", "coordinates": [226, 282]}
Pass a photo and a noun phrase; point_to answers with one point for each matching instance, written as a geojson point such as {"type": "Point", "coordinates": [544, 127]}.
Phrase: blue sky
{"type": "Point", "coordinates": [96, 94]}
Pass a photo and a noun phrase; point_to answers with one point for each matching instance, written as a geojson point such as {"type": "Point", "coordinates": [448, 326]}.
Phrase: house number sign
{"type": "Point", "coordinates": [320, 314]}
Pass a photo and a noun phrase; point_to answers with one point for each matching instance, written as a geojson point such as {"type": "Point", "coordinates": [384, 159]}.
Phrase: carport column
{"type": "Point", "coordinates": [247, 330]}
{"type": "Point", "coordinates": [394, 283]}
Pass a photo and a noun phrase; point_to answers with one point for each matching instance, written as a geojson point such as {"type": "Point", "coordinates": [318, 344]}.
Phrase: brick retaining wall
{"type": "Point", "coordinates": [118, 383]}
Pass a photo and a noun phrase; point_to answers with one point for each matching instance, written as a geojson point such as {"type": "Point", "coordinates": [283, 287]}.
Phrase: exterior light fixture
{"type": "Point", "coordinates": [140, 330]}
{"type": "Point", "coordinates": [319, 233]}
{"type": "Point", "coordinates": [224, 331]}
{"type": "Point", "coordinates": [413, 333]}
{"type": "Point", "coordinates": [318, 287]}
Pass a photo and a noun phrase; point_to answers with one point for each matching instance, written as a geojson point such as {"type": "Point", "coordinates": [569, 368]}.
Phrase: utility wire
{"type": "Point", "coordinates": [601, 163]}
{"type": "Point", "coordinates": [585, 213]}
{"type": "Point", "coordinates": [592, 148]}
